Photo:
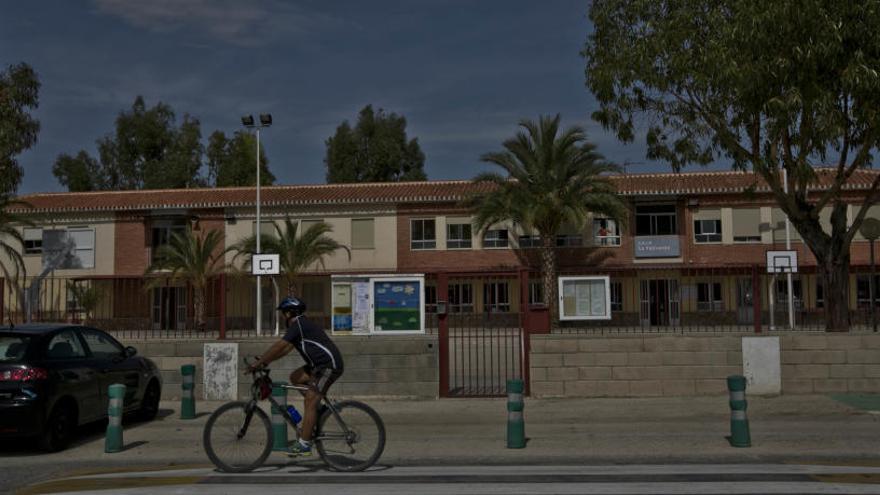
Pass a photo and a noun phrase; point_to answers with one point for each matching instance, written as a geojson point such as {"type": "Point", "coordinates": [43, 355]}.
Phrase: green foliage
{"type": "Point", "coordinates": [769, 86]}
{"type": "Point", "coordinates": [19, 90]}
{"type": "Point", "coordinates": [231, 162]}
{"type": "Point", "coordinates": [147, 151]}
{"type": "Point", "coordinates": [376, 150]}
{"type": "Point", "coordinates": [297, 252]}
{"type": "Point", "coordinates": [11, 240]}
{"type": "Point", "coordinates": [191, 259]}
{"type": "Point", "coordinates": [87, 297]}
{"type": "Point", "coordinates": [553, 179]}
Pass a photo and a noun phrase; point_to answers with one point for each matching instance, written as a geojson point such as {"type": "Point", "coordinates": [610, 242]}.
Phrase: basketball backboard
{"type": "Point", "coordinates": [782, 262]}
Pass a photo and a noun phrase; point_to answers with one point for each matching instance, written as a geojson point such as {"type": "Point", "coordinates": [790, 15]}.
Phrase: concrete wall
{"type": "Point", "coordinates": [375, 366]}
{"type": "Point", "coordinates": [674, 365]}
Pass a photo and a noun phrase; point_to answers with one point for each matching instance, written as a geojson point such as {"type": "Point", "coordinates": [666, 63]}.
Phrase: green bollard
{"type": "Point", "coordinates": [739, 423]}
{"type": "Point", "coordinates": [279, 426]}
{"type": "Point", "coordinates": [187, 393]}
{"type": "Point", "coordinates": [516, 431]}
{"type": "Point", "coordinates": [113, 440]}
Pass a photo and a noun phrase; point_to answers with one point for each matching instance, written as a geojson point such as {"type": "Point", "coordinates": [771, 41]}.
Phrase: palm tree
{"type": "Point", "coordinates": [87, 298]}
{"type": "Point", "coordinates": [11, 240]}
{"type": "Point", "coordinates": [296, 252]}
{"type": "Point", "coordinates": [193, 259]}
{"type": "Point", "coordinates": [553, 179]}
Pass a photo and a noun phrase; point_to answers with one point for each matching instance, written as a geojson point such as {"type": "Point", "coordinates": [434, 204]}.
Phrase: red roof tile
{"type": "Point", "coordinates": [394, 193]}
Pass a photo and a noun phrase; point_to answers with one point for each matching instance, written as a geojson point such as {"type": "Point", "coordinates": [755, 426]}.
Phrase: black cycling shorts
{"type": "Point", "coordinates": [322, 378]}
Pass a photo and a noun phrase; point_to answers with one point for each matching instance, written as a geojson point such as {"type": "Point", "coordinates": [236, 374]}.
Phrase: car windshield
{"type": "Point", "coordinates": [12, 347]}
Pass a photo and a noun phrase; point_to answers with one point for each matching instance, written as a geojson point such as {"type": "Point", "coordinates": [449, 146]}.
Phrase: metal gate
{"type": "Point", "coordinates": [482, 342]}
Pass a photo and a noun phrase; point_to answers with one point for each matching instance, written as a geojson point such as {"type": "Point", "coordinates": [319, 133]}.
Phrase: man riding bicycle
{"type": "Point", "coordinates": [323, 364]}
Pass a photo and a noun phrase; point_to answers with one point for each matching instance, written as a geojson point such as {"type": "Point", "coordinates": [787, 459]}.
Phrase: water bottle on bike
{"type": "Point", "coordinates": [294, 414]}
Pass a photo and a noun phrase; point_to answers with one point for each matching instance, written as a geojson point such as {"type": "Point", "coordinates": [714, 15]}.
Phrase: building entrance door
{"type": "Point", "coordinates": [745, 305]}
{"type": "Point", "coordinates": [660, 302]}
{"type": "Point", "coordinates": [169, 308]}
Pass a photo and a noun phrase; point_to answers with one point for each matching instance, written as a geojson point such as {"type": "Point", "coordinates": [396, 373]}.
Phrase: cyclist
{"type": "Point", "coordinates": [323, 364]}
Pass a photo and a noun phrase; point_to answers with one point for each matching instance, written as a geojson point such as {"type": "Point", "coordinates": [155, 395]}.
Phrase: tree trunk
{"type": "Point", "coordinates": [833, 262]}
{"type": "Point", "coordinates": [199, 306]}
{"type": "Point", "coordinates": [835, 278]}
{"type": "Point", "coordinates": [548, 273]}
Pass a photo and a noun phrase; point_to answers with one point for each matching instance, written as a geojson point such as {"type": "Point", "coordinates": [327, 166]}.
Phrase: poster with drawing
{"type": "Point", "coordinates": [397, 305]}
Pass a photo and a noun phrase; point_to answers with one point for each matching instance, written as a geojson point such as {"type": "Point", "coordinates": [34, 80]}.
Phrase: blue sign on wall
{"type": "Point", "coordinates": [659, 246]}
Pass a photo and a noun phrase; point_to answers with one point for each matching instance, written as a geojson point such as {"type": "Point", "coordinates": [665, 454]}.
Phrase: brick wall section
{"type": "Point", "coordinates": [653, 366]}
{"type": "Point", "coordinates": [131, 250]}
{"type": "Point", "coordinates": [394, 367]}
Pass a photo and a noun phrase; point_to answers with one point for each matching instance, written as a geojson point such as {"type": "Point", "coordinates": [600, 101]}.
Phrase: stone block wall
{"type": "Point", "coordinates": [375, 366]}
{"type": "Point", "coordinates": [676, 365]}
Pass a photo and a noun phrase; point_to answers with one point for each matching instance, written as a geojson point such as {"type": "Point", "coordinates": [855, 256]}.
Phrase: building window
{"type": "Point", "coordinates": [569, 240]}
{"type": "Point", "coordinates": [529, 241]}
{"type": "Point", "coordinates": [162, 232]}
{"type": "Point", "coordinates": [782, 292]}
{"type": "Point", "coordinates": [616, 296]}
{"type": "Point", "coordinates": [362, 233]}
{"type": "Point", "coordinates": [84, 250]}
{"type": "Point", "coordinates": [458, 236]}
{"type": "Point", "coordinates": [267, 228]}
{"type": "Point", "coordinates": [656, 220]}
{"type": "Point", "coordinates": [313, 293]}
{"type": "Point", "coordinates": [584, 298]}
{"type": "Point", "coordinates": [709, 296]}
{"type": "Point", "coordinates": [430, 299]}
{"type": "Point", "coordinates": [461, 298]}
{"type": "Point", "coordinates": [820, 293]}
{"type": "Point", "coordinates": [496, 297]}
{"type": "Point", "coordinates": [863, 290]}
{"type": "Point", "coordinates": [745, 224]}
{"type": "Point", "coordinates": [423, 235]}
{"type": "Point", "coordinates": [33, 241]}
{"type": "Point", "coordinates": [536, 292]}
{"type": "Point", "coordinates": [605, 232]}
{"type": "Point", "coordinates": [707, 230]}
{"type": "Point", "coordinates": [495, 238]}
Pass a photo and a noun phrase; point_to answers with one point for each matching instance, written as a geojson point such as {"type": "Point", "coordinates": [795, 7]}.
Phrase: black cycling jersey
{"type": "Point", "coordinates": [313, 344]}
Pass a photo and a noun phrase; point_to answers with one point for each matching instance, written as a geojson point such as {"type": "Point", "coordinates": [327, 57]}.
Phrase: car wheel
{"type": "Point", "coordinates": [59, 428]}
{"type": "Point", "coordinates": [150, 403]}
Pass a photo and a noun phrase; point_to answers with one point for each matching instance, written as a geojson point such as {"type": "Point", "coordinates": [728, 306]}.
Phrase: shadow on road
{"type": "Point", "coordinates": [88, 433]}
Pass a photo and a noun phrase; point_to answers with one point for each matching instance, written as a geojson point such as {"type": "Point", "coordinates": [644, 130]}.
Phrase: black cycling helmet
{"type": "Point", "coordinates": [292, 304]}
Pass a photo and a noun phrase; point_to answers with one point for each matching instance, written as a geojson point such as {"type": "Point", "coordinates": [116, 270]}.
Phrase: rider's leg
{"type": "Point", "coordinates": [300, 376]}
{"type": "Point", "coordinates": [310, 415]}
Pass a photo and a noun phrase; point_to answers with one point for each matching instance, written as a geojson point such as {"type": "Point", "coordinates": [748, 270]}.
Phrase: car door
{"type": "Point", "coordinates": [113, 365]}
{"type": "Point", "coordinates": [73, 373]}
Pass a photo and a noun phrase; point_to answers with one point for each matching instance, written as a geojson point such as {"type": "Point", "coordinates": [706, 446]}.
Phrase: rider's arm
{"type": "Point", "coordinates": [279, 349]}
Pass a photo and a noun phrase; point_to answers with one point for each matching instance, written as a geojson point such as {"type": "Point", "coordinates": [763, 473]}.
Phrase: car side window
{"type": "Point", "coordinates": [101, 345]}
{"type": "Point", "coordinates": [65, 345]}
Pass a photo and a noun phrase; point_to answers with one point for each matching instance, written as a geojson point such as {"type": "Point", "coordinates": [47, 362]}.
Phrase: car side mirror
{"type": "Point", "coordinates": [130, 351]}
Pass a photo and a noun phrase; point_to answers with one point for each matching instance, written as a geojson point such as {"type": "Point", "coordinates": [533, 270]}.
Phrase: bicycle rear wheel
{"type": "Point", "coordinates": [353, 440]}
{"type": "Point", "coordinates": [238, 437]}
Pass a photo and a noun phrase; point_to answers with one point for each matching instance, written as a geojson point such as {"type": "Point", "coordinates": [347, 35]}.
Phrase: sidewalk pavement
{"type": "Point", "coordinates": [560, 431]}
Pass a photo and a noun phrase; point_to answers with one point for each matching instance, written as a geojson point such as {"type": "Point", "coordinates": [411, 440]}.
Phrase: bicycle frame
{"type": "Point", "coordinates": [286, 415]}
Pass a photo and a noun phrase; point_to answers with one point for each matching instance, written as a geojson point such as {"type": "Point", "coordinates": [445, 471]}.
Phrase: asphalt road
{"type": "Point", "coordinates": [478, 480]}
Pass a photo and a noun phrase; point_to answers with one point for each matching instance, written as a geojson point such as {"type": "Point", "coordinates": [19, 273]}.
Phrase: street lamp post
{"type": "Point", "coordinates": [248, 122]}
{"type": "Point", "coordinates": [870, 229]}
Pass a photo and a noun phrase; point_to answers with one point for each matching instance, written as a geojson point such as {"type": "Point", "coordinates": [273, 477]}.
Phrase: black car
{"type": "Point", "coordinates": [54, 378]}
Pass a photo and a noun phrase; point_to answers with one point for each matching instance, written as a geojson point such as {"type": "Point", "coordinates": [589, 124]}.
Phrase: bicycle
{"type": "Point", "coordinates": [343, 429]}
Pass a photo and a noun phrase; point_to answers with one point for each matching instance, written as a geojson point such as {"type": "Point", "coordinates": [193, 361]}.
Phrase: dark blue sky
{"type": "Point", "coordinates": [462, 72]}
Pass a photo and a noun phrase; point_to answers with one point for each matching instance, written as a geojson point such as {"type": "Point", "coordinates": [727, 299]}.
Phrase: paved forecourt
{"type": "Point", "coordinates": [311, 477]}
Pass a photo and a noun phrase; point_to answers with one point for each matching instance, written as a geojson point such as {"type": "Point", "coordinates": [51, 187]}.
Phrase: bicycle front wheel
{"type": "Point", "coordinates": [238, 437]}
{"type": "Point", "coordinates": [353, 440]}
